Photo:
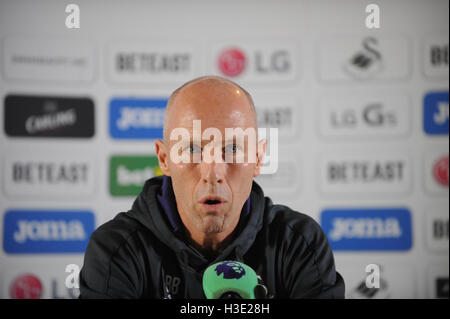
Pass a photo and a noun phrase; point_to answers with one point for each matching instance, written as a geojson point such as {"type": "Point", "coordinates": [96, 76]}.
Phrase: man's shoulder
{"type": "Point", "coordinates": [110, 266]}
{"type": "Point", "coordinates": [115, 232]}
{"type": "Point", "coordinates": [283, 218]}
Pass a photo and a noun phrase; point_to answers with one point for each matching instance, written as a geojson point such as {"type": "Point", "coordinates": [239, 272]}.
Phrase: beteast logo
{"type": "Point", "coordinates": [137, 118]}
{"type": "Point", "coordinates": [49, 175]}
{"type": "Point", "coordinates": [152, 62]}
{"type": "Point", "coordinates": [440, 171]}
{"type": "Point", "coordinates": [436, 113]}
{"type": "Point", "coordinates": [143, 61]}
{"type": "Point", "coordinates": [26, 286]}
{"type": "Point", "coordinates": [46, 231]}
{"type": "Point", "coordinates": [256, 62]}
{"type": "Point", "coordinates": [280, 117]}
{"type": "Point", "coordinates": [129, 173]}
{"type": "Point", "coordinates": [436, 55]}
{"type": "Point", "coordinates": [46, 116]}
{"type": "Point", "coordinates": [365, 172]}
{"type": "Point", "coordinates": [437, 227]}
{"type": "Point", "coordinates": [440, 229]}
{"type": "Point", "coordinates": [368, 229]}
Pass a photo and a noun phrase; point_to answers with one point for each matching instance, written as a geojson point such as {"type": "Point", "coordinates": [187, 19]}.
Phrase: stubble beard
{"type": "Point", "coordinates": [212, 224]}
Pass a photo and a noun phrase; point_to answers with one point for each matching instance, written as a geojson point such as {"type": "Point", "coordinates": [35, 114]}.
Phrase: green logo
{"type": "Point", "coordinates": [127, 174]}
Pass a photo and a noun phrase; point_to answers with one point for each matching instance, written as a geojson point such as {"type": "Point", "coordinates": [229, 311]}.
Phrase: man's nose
{"type": "Point", "coordinates": [212, 173]}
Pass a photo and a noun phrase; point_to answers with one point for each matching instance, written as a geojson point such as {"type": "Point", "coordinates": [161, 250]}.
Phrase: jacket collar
{"type": "Point", "coordinates": [152, 213]}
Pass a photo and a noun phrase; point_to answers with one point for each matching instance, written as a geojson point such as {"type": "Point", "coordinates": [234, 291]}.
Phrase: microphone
{"type": "Point", "coordinates": [232, 280]}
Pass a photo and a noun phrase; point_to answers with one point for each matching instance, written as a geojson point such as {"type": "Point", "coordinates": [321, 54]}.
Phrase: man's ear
{"type": "Point", "coordinates": [163, 159]}
{"type": "Point", "coordinates": [260, 156]}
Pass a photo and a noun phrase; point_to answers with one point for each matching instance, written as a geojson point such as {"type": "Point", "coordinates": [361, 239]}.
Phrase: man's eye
{"type": "Point", "coordinates": [232, 148]}
{"type": "Point", "coordinates": [193, 149]}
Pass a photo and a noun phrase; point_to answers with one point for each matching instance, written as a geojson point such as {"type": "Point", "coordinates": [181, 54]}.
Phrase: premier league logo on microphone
{"type": "Point", "coordinates": [217, 284]}
{"type": "Point", "coordinates": [230, 270]}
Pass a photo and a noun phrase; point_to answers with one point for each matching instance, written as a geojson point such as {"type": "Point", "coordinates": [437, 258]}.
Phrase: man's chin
{"type": "Point", "coordinates": [212, 224]}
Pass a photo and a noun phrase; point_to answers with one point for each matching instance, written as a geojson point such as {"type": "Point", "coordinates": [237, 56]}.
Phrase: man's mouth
{"type": "Point", "coordinates": [212, 203]}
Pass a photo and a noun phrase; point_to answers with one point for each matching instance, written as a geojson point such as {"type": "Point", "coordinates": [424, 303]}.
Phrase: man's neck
{"type": "Point", "coordinates": [207, 243]}
{"type": "Point", "coordinates": [210, 245]}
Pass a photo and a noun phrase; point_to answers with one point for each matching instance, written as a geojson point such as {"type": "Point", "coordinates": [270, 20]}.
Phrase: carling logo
{"type": "Point", "coordinates": [436, 113]}
{"type": "Point", "coordinates": [39, 232]}
{"type": "Point", "coordinates": [43, 116]}
{"type": "Point", "coordinates": [368, 228]}
{"type": "Point", "coordinates": [137, 118]}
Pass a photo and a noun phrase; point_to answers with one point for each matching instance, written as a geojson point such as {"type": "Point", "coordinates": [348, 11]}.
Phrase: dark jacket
{"type": "Point", "coordinates": [138, 254]}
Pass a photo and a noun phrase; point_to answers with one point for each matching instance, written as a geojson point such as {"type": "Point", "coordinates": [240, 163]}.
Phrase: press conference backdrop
{"type": "Point", "coordinates": [362, 116]}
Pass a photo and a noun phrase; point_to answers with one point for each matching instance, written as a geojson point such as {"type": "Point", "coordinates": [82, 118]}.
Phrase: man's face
{"type": "Point", "coordinates": [210, 194]}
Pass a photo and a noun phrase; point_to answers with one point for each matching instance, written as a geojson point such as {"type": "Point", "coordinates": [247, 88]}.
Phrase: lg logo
{"type": "Point", "coordinates": [73, 19]}
{"type": "Point", "coordinates": [440, 171]}
{"type": "Point", "coordinates": [373, 115]}
{"type": "Point", "coordinates": [27, 286]}
{"type": "Point", "coordinates": [233, 62]}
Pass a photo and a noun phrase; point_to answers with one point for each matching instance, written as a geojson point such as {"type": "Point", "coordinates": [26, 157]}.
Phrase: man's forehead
{"type": "Point", "coordinates": [210, 90]}
{"type": "Point", "coordinates": [209, 83]}
{"type": "Point", "coordinates": [216, 102]}
{"type": "Point", "coordinates": [211, 97]}
{"type": "Point", "coordinates": [232, 118]}
{"type": "Point", "coordinates": [212, 113]}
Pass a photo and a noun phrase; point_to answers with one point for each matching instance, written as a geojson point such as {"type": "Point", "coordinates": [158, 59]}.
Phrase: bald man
{"type": "Point", "coordinates": [206, 208]}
